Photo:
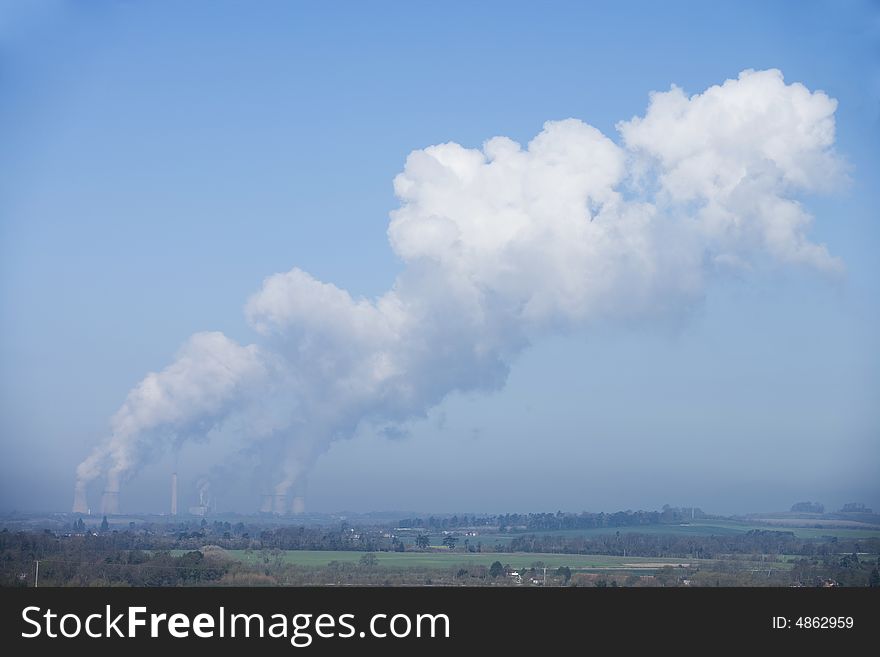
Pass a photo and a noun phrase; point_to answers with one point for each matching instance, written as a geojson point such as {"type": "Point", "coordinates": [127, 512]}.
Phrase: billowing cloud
{"type": "Point", "coordinates": [739, 151]}
{"type": "Point", "coordinates": [210, 377]}
{"type": "Point", "coordinates": [502, 245]}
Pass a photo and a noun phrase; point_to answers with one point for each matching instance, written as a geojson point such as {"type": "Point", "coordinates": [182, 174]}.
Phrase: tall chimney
{"type": "Point", "coordinates": [173, 493]}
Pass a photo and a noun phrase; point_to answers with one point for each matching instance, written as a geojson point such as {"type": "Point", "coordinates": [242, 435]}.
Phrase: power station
{"type": "Point", "coordinates": [277, 504]}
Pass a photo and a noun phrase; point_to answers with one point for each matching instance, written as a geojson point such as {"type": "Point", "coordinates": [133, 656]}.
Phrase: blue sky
{"type": "Point", "coordinates": [161, 159]}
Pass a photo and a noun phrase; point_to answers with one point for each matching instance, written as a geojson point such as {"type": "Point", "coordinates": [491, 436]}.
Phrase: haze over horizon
{"type": "Point", "coordinates": [589, 287]}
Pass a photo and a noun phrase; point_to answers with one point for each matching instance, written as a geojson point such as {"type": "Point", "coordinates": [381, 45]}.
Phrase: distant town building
{"type": "Point", "coordinates": [855, 507]}
{"type": "Point", "coordinates": [808, 507]}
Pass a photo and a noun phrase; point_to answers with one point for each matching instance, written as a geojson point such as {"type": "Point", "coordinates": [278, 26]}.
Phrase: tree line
{"type": "Point", "coordinates": [555, 521]}
{"type": "Point", "coordinates": [756, 541]}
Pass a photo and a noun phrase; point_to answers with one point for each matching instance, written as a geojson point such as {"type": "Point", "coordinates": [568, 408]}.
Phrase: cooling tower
{"type": "Point", "coordinates": [279, 505]}
{"type": "Point", "coordinates": [298, 505]}
{"type": "Point", "coordinates": [80, 503]}
{"type": "Point", "coordinates": [110, 502]}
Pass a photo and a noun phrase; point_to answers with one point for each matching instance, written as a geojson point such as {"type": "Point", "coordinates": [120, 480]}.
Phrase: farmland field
{"type": "Point", "coordinates": [450, 559]}
{"type": "Point", "coordinates": [697, 528]}
{"type": "Point", "coordinates": [581, 562]}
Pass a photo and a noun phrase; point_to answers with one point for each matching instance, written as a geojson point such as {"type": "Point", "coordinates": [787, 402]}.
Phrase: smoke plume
{"type": "Point", "coordinates": [502, 245]}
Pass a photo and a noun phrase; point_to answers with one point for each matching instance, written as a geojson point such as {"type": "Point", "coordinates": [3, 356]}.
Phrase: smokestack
{"type": "Point", "coordinates": [298, 505]}
{"type": "Point", "coordinates": [173, 493]}
{"type": "Point", "coordinates": [110, 502]}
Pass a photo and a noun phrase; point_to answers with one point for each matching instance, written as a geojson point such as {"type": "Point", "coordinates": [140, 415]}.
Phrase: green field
{"type": "Point", "coordinates": [696, 528]}
{"type": "Point", "coordinates": [581, 562]}
{"type": "Point", "coordinates": [439, 558]}
{"type": "Point", "coordinates": [451, 559]}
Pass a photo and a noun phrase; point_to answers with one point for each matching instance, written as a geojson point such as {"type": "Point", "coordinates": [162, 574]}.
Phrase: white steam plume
{"type": "Point", "coordinates": [501, 245]}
